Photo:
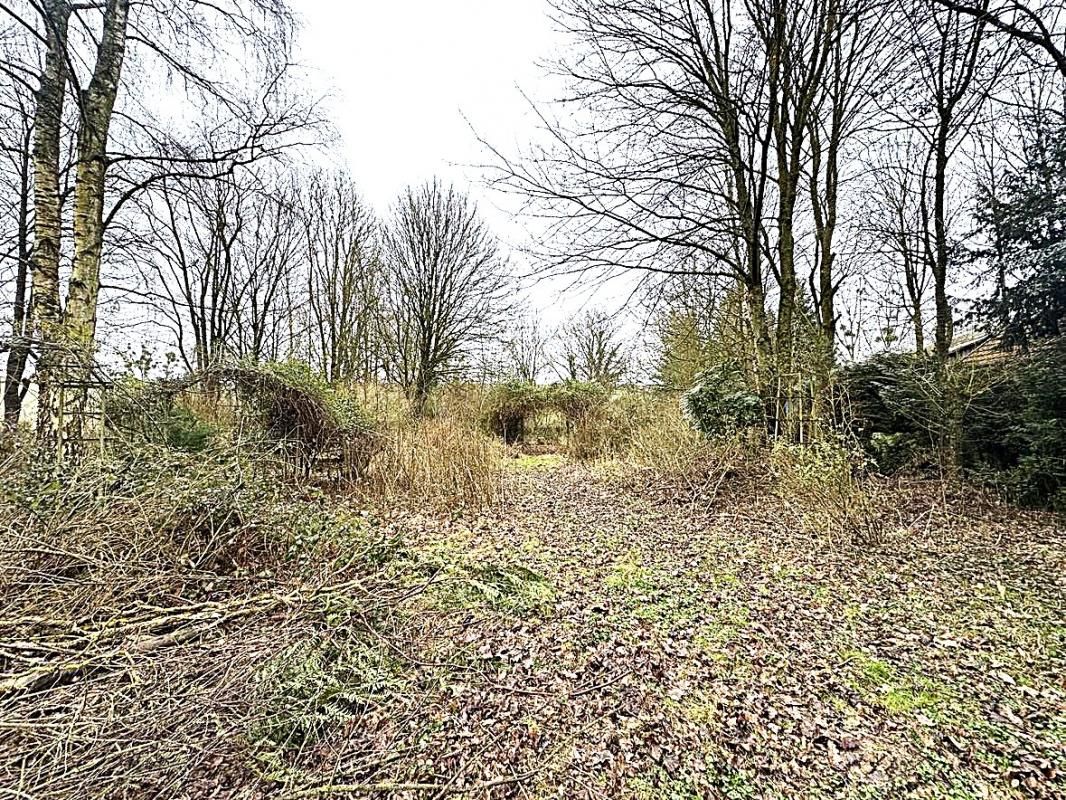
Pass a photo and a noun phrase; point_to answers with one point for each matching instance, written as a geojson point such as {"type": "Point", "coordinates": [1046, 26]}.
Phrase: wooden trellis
{"type": "Point", "coordinates": [80, 406]}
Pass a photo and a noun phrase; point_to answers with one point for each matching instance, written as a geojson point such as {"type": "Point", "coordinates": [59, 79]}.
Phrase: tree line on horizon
{"type": "Point", "coordinates": [795, 184]}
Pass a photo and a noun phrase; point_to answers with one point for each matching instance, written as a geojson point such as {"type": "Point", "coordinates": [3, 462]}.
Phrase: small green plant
{"type": "Point", "coordinates": [896, 692]}
{"type": "Point", "coordinates": [465, 576]}
{"type": "Point", "coordinates": [151, 412]}
{"type": "Point", "coordinates": [628, 574]}
{"type": "Point", "coordinates": [314, 687]}
{"type": "Point", "coordinates": [511, 587]}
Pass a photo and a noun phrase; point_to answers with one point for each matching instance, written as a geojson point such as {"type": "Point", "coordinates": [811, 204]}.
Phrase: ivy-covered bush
{"type": "Point", "coordinates": [1016, 431]}
{"type": "Point", "coordinates": [886, 403]}
{"type": "Point", "coordinates": [720, 402]}
{"type": "Point", "coordinates": [300, 411]}
{"type": "Point", "coordinates": [510, 406]}
{"type": "Point", "coordinates": [576, 400]}
{"type": "Point", "coordinates": [577, 413]}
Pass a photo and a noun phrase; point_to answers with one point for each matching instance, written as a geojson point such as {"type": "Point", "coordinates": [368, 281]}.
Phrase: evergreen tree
{"type": "Point", "coordinates": [1027, 225]}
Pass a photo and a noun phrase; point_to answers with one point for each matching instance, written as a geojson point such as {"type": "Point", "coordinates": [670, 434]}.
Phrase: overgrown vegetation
{"type": "Point", "coordinates": [297, 630]}
{"type": "Point", "coordinates": [719, 401]}
{"type": "Point", "coordinates": [359, 519]}
{"type": "Point", "coordinates": [1003, 424]}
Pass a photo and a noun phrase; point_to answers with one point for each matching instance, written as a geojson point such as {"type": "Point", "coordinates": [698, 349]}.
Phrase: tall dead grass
{"type": "Point", "coordinates": [443, 461]}
{"type": "Point", "coordinates": [669, 458]}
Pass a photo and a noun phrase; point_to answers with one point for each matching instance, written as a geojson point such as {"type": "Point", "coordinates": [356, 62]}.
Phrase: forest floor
{"type": "Point", "coordinates": [580, 639]}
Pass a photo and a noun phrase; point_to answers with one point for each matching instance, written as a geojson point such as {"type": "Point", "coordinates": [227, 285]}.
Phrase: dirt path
{"type": "Point", "coordinates": [580, 640]}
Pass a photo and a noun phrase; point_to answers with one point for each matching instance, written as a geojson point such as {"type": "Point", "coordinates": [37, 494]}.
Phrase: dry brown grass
{"type": "Point", "coordinates": [444, 461]}
{"type": "Point", "coordinates": [666, 457]}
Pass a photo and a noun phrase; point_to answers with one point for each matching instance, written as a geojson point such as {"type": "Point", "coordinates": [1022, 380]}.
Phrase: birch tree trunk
{"type": "Point", "coordinates": [98, 103]}
{"type": "Point", "coordinates": [46, 315]}
{"type": "Point", "coordinates": [97, 106]}
{"type": "Point", "coordinates": [20, 345]}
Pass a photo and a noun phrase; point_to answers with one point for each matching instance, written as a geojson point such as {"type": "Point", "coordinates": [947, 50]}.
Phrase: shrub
{"type": "Point", "coordinates": [160, 580]}
{"type": "Point", "coordinates": [577, 400]}
{"type": "Point", "coordinates": [864, 408]}
{"type": "Point", "coordinates": [510, 407]}
{"type": "Point", "coordinates": [908, 411]}
{"type": "Point", "coordinates": [1016, 430]}
{"type": "Point", "coordinates": [823, 480]}
{"type": "Point", "coordinates": [136, 524]}
{"type": "Point", "coordinates": [304, 415]}
{"type": "Point", "coordinates": [608, 430]}
{"type": "Point", "coordinates": [674, 459]}
{"type": "Point", "coordinates": [720, 402]}
{"type": "Point", "coordinates": [583, 405]}
{"type": "Point", "coordinates": [142, 411]}
{"type": "Point", "coordinates": [1004, 424]}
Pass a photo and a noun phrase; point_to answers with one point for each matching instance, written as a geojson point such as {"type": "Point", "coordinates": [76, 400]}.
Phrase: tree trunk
{"type": "Point", "coordinates": [20, 345]}
{"type": "Point", "coordinates": [918, 321]}
{"type": "Point", "coordinates": [46, 310]}
{"type": "Point", "coordinates": [97, 105]}
{"type": "Point", "coordinates": [944, 322]}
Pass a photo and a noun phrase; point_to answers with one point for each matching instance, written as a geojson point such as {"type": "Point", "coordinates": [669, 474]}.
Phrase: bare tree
{"type": "Point", "coordinates": [859, 62]}
{"type": "Point", "coordinates": [953, 73]}
{"type": "Point", "coordinates": [592, 348]}
{"type": "Point", "coordinates": [709, 142]}
{"type": "Point", "coordinates": [1035, 24]}
{"type": "Point", "coordinates": [895, 221]}
{"type": "Point", "coordinates": [16, 222]}
{"type": "Point", "coordinates": [445, 286]}
{"type": "Point", "coordinates": [343, 278]}
{"type": "Point", "coordinates": [667, 169]}
{"type": "Point", "coordinates": [525, 350]}
{"type": "Point", "coordinates": [84, 49]}
{"type": "Point", "coordinates": [222, 258]}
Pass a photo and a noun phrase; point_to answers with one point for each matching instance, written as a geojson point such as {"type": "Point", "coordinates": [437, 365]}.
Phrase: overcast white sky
{"type": "Point", "coordinates": [407, 80]}
{"type": "Point", "coordinates": [402, 76]}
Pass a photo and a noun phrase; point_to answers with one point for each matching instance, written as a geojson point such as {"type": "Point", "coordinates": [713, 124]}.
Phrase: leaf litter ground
{"type": "Point", "coordinates": [580, 639]}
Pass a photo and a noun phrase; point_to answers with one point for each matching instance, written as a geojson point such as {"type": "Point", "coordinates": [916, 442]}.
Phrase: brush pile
{"type": "Point", "coordinates": [142, 598]}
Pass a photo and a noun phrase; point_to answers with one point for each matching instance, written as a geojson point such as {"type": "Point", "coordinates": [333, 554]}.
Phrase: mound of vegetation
{"type": "Point", "coordinates": [1003, 424]}
{"type": "Point", "coordinates": [511, 406]}
{"type": "Point", "coordinates": [720, 401]}
{"type": "Point", "coordinates": [300, 411]}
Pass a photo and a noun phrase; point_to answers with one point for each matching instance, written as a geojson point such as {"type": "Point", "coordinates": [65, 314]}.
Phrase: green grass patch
{"type": "Point", "coordinates": [882, 684]}
{"type": "Point", "coordinates": [628, 574]}
{"type": "Point", "coordinates": [544, 462]}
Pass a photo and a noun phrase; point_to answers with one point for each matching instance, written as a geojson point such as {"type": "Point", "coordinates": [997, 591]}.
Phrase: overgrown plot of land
{"type": "Point", "coordinates": [616, 647]}
{"type": "Point", "coordinates": [579, 639]}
